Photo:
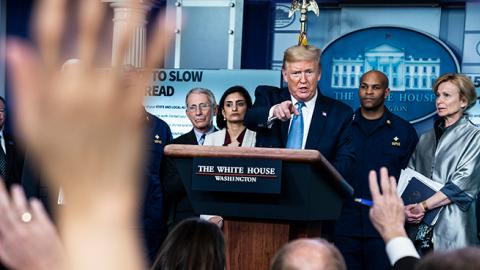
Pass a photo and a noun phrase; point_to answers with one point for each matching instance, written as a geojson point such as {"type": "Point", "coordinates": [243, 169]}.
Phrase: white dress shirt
{"type": "Point", "coordinates": [307, 112]}
{"type": "Point", "coordinates": [199, 134]}
{"type": "Point", "coordinates": [400, 247]}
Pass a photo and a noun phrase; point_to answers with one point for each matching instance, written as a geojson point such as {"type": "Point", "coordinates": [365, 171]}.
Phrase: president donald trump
{"type": "Point", "coordinates": [299, 116]}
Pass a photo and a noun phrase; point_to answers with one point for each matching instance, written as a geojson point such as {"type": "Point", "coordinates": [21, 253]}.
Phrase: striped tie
{"type": "Point", "coordinates": [202, 139]}
{"type": "Point", "coordinates": [3, 162]}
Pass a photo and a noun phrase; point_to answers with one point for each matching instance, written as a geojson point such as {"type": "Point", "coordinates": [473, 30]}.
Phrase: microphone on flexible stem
{"type": "Point", "coordinates": [270, 120]}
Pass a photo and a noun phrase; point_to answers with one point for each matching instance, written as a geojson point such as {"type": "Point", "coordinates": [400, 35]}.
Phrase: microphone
{"type": "Point", "coordinates": [270, 120]}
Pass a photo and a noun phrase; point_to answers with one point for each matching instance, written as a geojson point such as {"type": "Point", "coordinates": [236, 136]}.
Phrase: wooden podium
{"type": "Point", "coordinates": [256, 225]}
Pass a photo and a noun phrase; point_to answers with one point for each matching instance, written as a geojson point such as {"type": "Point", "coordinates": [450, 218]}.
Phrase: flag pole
{"type": "Point", "coordinates": [303, 6]}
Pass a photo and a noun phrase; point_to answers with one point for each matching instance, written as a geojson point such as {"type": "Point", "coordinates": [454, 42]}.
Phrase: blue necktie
{"type": "Point", "coordinates": [295, 135]}
{"type": "Point", "coordinates": [202, 139]}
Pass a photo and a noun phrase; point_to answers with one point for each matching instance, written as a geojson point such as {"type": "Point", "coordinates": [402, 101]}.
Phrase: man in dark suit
{"type": "Point", "coordinates": [324, 121]}
{"type": "Point", "coordinates": [201, 108]}
{"type": "Point", "coordinates": [11, 159]}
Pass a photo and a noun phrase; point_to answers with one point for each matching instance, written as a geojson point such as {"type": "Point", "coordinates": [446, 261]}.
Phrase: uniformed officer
{"type": "Point", "coordinates": [381, 139]}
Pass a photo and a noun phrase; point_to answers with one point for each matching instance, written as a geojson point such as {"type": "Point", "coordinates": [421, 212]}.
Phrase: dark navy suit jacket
{"type": "Point", "coordinates": [187, 138]}
{"type": "Point", "coordinates": [406, 263]}
{"type": "Point", "coordinates": [14, 158]}
{"type": "Point", "coordinates": [329, 130]}
{"type": "Point", "coordinates": [177, 204]}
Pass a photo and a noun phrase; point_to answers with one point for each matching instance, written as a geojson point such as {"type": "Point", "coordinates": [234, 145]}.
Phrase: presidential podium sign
{"type": "Point", "coordinates": [307, 187]}
{"type": "Point", "coordinates": [237, 175]}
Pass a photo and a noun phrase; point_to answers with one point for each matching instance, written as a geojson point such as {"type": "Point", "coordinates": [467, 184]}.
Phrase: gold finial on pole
{"type": "Point", "coordinates": [303, 6]}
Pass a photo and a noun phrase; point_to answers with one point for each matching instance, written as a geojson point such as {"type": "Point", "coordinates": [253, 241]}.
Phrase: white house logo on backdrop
{"type": "Point", "coordinates": [411, 60]}
{"type": "Point", "coordinates": [403, 72]}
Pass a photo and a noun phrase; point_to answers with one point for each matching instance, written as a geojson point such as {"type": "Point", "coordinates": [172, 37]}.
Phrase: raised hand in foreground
{"type": "Point", "coordinates": [27, 243]}
{"type": "Point", "coordinates": [387, 213]}
{"type": "Point", "coordinates": [83, 130]}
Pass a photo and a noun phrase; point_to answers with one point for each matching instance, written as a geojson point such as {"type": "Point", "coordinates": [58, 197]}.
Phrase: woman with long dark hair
{"type": "Point", "coordinates": [232, 109]}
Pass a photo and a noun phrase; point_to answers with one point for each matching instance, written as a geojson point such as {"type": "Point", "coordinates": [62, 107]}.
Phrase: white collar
{"type": "Point", "coordinates": [199, 133]}
{"type": "Point", "coordinates": [308, 104]}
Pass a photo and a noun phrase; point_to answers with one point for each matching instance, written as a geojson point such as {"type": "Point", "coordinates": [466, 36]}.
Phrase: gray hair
{"type": "Point", "coordinates": [322, 253]}
{"type": "Point", "coordinates": [204, 91]}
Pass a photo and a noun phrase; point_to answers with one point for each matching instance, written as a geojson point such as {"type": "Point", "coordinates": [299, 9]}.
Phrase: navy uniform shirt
{"type": "Point", "coordinates": [385, 142]}
{"type": "Point", "coordinates": [153, 223]}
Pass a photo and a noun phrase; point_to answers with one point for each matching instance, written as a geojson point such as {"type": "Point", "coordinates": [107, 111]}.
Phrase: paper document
{"type": "Point", "coordinates": [407, 174]}
{"type": "Point", "coordinates": [414, 187]}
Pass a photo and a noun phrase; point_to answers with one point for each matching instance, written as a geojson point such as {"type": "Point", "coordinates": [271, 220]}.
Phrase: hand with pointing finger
{"type": "Point", "coordinates": [283, 111]}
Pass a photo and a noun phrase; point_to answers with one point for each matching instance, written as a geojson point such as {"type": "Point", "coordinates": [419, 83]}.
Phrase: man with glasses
{"type": "Point", "coordinates": [201, 107]}
{"type": "Point", "coordinates": [299, 116]}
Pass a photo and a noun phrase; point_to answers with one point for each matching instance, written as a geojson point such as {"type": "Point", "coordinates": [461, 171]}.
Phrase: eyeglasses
{"type": "Point", "coordinates": [298, 74]}
{"type": "Point", "coordinates": [202, 106]}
